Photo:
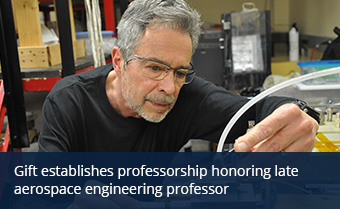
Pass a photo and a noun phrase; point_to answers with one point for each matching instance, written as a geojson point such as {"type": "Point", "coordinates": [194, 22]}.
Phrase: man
{"type": "Point", "coordinates": [149, 99]}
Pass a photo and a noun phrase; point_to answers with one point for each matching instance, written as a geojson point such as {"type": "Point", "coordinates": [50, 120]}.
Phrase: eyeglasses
{"type": "Point", "coordinates": [156, 70]}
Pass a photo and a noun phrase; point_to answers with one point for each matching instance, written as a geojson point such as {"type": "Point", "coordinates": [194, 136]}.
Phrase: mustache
{"type": "Point", "coordinates": [169, 99]}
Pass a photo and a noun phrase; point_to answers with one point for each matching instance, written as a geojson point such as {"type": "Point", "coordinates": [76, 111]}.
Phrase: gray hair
{"type": "Point", "coordinates": [174, 14]}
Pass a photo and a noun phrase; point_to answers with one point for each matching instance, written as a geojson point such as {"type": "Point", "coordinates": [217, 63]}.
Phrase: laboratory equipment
{"type": "Point", "coordinates": [268, 92]}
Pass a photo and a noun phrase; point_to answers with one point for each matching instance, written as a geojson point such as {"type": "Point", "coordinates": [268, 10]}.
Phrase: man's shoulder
{"type": "Point", "coordinates": [82, 79]}
{"type": "Point", "coordinates": [201, 86]}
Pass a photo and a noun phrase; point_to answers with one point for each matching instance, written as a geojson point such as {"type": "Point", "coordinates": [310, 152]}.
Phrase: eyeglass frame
{"type": "Point", "coordinates": [191, 72]}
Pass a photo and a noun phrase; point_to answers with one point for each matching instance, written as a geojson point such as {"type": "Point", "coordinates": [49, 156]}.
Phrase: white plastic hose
{"type": "Point", "coordinates": [94, 28]}
{"type": "Point", "coordinates": [265, 93]}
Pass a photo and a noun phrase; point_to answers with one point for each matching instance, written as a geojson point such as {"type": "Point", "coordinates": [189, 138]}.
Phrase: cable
{"type": "Point", "coordinates": [265, 93]}
{"type": "Point", "coordinates": [315, 47]}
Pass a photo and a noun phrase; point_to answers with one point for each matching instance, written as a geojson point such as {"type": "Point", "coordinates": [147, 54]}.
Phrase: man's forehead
{"type": "Point", "coordinates": [166, 45]}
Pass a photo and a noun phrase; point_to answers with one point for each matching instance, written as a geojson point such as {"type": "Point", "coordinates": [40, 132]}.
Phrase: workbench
{"type": "Point", "coordinates": [328, 138]}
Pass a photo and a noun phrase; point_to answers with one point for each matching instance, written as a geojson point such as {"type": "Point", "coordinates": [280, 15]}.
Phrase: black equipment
{"type": "Point", "coordinates": [239, 54]}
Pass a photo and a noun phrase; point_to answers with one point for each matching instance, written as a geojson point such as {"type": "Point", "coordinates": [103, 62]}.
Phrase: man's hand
{"type": "Point", "coordinates": [287, 129]}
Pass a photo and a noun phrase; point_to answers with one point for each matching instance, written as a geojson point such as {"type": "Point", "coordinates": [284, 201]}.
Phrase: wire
{"type": "Point", "coordinates": [315, 47]}
{"type": "Point", "coordinates": [265, 93]}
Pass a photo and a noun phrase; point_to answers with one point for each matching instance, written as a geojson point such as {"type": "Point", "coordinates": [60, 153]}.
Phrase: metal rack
{"type": "Point", "coordinates": [13, 94]}
{"type": "Point", "coordinates": [16, 80]}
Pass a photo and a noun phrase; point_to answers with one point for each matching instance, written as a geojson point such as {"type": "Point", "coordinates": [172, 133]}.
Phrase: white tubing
{"type": "Point", "coordinates": [90, 29]}
{"type": "Point", "coordinates": [94, 28]}
{"type": "Point", "coordinates": [265, 93]}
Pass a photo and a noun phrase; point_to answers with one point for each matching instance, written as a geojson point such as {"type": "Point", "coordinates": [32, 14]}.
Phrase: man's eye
{"type": "Point", "coordinates": [181, 73]}
{"type": "Point", "coordinates": [155, 68]}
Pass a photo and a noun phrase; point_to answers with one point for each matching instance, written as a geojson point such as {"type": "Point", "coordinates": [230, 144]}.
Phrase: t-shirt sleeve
{"type": "Point", "coordinates": [52, 136]}
{"type": "Point", "coordinates": [58, 126]}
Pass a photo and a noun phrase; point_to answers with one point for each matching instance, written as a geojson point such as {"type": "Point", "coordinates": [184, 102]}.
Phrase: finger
{"type": "Point", "coordinates": [256, 147]}
{"type": "Point", "coordinates": [281, 117]}
{"type": "Point", "coordinates": [265, 129]}
{"type": "Point", "coordinates": [300, 146]}
{"type": "Point", "coordinates": [275, 143]}
{"type": "Point", "coordinates": [280, 140]}
{"type": "Point", "coordinates": [258, 134]}
{"type": "Point", "coordinates": [298, 142]}
{"type": "Point", "coordinates": [306, 142]}
{"type": "Point", "coordinates": [299, 135]}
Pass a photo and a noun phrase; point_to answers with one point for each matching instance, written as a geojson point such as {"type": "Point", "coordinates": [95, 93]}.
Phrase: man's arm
{"type": "Point", "coordinates": [54, 133]}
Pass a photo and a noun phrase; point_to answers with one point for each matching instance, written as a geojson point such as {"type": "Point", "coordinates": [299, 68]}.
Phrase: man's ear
{"type": "Point", "coordinates": [117, 60]}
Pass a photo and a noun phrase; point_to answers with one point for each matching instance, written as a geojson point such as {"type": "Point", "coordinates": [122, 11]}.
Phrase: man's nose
{"type": "Point", "coordinates": [168, 83]}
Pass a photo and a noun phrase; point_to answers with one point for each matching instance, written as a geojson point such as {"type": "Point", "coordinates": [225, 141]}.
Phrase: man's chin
{"type": "Point", "coordinates": [154, 117]}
